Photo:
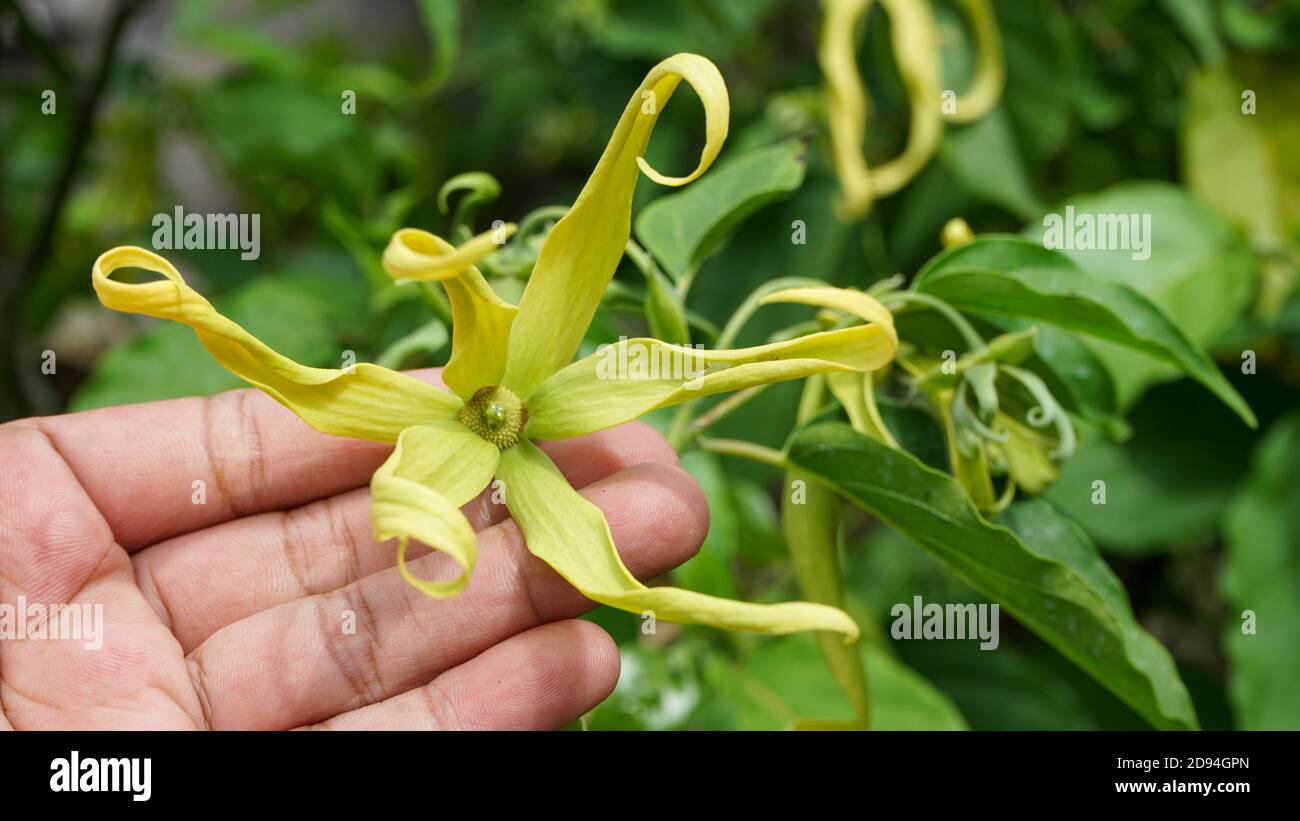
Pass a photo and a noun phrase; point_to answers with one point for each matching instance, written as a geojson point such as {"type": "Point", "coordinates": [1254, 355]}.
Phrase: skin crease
{"type": "Point", "coordinates": [229, 614]}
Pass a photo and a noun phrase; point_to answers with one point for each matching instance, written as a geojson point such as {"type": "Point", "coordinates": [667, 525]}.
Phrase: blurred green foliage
{"type": "Point", "coordinates": [1110, 106]}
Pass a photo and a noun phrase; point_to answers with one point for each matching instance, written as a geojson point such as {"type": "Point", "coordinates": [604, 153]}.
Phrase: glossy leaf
{"type": "Point", "coordinates": [1261, 577]}
{"type": "Point", "coordinates": [681, 229]}
{"type": "Point", "coordinates": [1199, 272]}
{"type": "Point", "coordinates": [1007, 276]}
{"type": "Point", "coordinates": [1042, 570]}
{"type": "Point", "coordinates": [1168, 486]}
{"type": "Point", "coordinates": [785, 680]}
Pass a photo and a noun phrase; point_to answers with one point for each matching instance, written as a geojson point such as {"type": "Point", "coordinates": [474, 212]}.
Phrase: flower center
{"type": "Point", "coordinates": [495, 414]}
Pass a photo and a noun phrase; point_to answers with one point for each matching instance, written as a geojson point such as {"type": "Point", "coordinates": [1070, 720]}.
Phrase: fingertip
{"type": "Point", "coordinates": [659, 518]}
{"type": "Point", "coordinates": [602, 663]}
{"type": "Point", "coordinates": [543, 678]}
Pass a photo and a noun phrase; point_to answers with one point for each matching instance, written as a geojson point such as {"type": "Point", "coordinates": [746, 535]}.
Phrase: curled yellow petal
{"type": "Point", "coordinates": [632, 377]}
{"type": "Point", "coordinates": [362, 401]}
{"type": "Point", "coordinates": [413, 254]}
{"type": "Point", "coordinates": [571, 535]}
{"type": "Point", "coordinates": [990, 65]}
{"type": "Point", "coordinates": [418, 492]}
{"type": "Point", "coordinates": [581, 252]}
{"type": "Point", "coordinates": [916, 51]}
{"type": "Point", "coordinates": [846, 103]}
{"type": "Point", "coordinates": [481, 319]}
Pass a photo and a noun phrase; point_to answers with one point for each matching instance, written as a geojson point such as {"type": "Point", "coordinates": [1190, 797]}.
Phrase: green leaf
{"type": "Point", "coordinates": [682, 229]}
{"type": "Point", "coordinates": [1168, 486]}
{"type": "Point", "coordinates": [916, 431]}
{"type": "Point", "coordinates": [1262, 576]}
{"type": "Point", "coordinates": [782, 681]}
{"type": "Point", "coordinates": [429, 338]}
{"type": "Point", "coordinates": [984, 157]}
{"type": "Point", "coordinates": [1075, 375]}
{"type": "Point", "coordinates": [986, 161]}
{"type": "Point", "coordinates": [980, 683]}
{"type": "Point", "coordinates": [1199, 272]}
{"type": "Point", "coordinates": [1008, 276]}
{"type": "Point", "coordinates": [259, 121]}
{"type": "Point", "coordinates": [761, 540]}
{"type": "Point", "coordinates": [251, 49]}
{"type": "Point", "coordinates": [1042, 71]}
{"type": "Point", "coordinates": [1040, 567]}
{"type": "Point", "coordinates": [663, 308]}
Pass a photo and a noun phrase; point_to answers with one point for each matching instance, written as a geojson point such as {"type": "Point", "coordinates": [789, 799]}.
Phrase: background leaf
{"type": "Point", "coordinates": [1046, 573]}
{"type": "Point", "coordinates": [681, 229]}
{"type": "Point", "coordinates": [1199, 274]}
{"type": "Point", "coordinates": [1262, 575]}
{"type": "Point", "coordinates": [1005, 276]}
{"type": "Point", "coordinates": [784, 680]}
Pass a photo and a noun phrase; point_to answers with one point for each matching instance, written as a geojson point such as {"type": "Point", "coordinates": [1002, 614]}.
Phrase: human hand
{"type": "Point", "coordinates": [235, 612]}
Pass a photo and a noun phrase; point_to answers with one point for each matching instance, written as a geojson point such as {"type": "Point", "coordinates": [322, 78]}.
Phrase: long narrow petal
{"type": "Point", "coordinates": [846, 104]}
{"type": "Point", "coordinates": [990, 65]}
{"type": "Point", "coordinates": [571, 535]}
{"type": "Point", "coordinates": [363, 401]}
{"type": "Point", "coordinates": [418, 492]}
{"type": "Point", "coordinates": [856, 393]}
{"type": "Point", "coordinates": [916, 50]}
{"type": "Point", "coordinates": [481, 320]}
{"type": "Point", "coordinates": [583, 249]}
{"type": "Point", "coordinates": [623, 381]}
{"type": "Point", "coordinates": [915, 39]}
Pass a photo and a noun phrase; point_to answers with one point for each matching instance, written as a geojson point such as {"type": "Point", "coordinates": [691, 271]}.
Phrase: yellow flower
{"type": "Point", "coordinates": [512, 382]}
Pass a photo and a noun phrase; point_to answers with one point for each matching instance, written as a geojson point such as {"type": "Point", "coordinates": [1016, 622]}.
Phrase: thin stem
{"type": "Point", "coordinates": [685, 283]}
{"type": "Point", "coordinates": [640, 258]}
{"type": "Point", "coordinates": [726, 406]}
{"type": "Point", "coordinates": [12, 284]}
{"type": "Point", "coordinates": [898, 299]}
{"type": "Point", "coordinates": [745, 450]}
{"type": "Point", "coordinates": [38, 42]}
{"type": "Point", "coordinates": [753, 302]}
{"type": "Point", "coordinates": [427, 339]}
{"type": "Point", "coordinates": [679, 431]}
{"type": "Point", "coordinates": [84, 125]}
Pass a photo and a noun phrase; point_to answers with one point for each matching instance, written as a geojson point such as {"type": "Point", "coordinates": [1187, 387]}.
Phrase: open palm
{"type": "Point", "coordinates": [268, 605]}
